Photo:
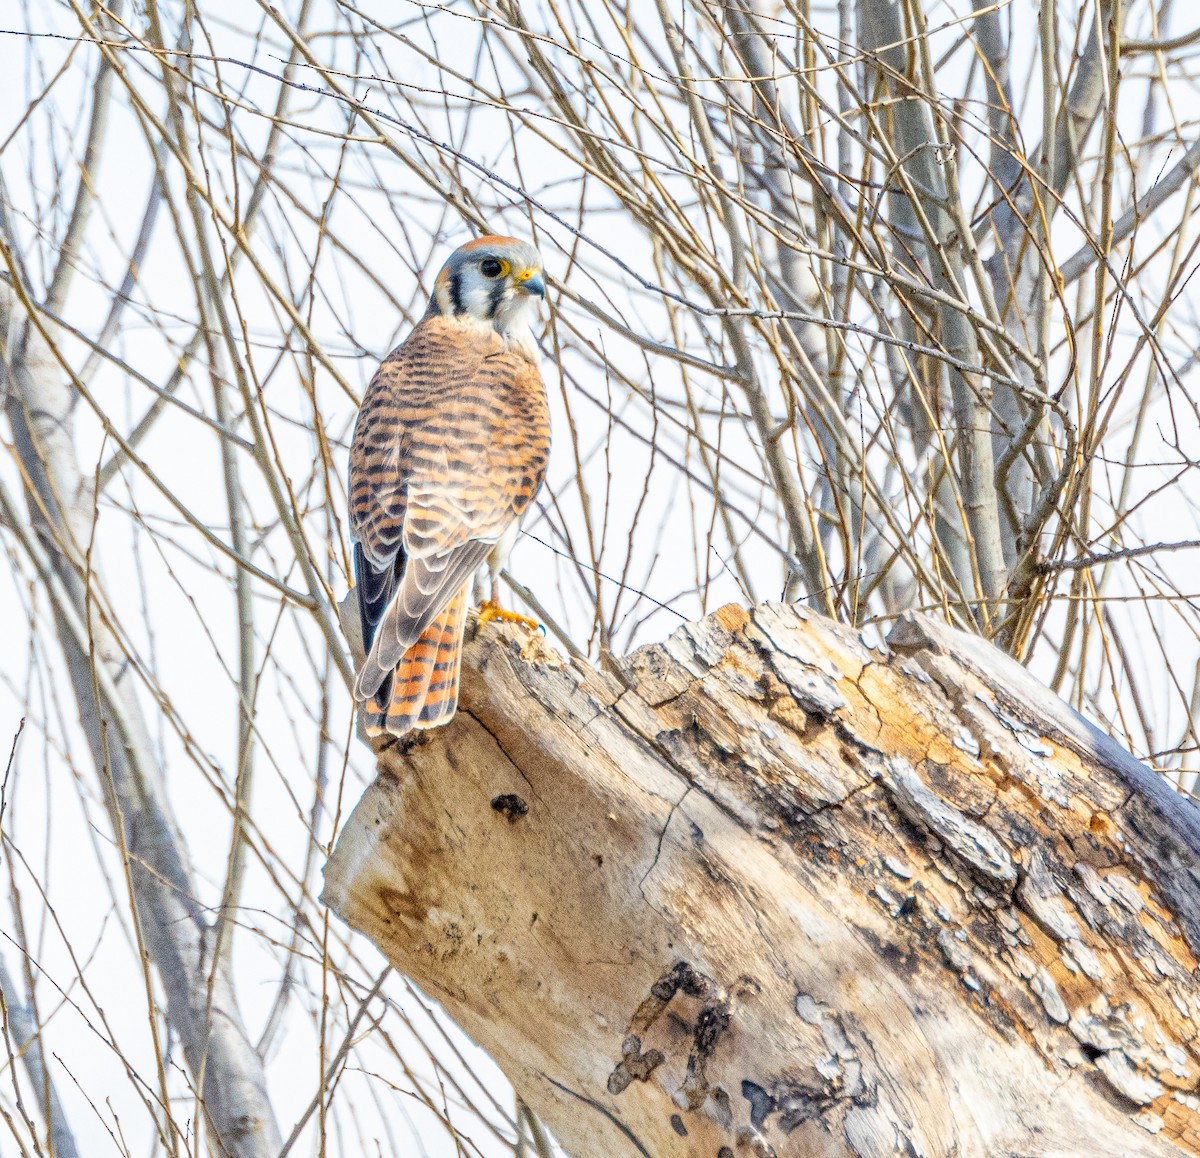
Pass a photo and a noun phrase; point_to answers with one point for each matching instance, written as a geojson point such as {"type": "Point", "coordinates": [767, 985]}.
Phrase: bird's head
{"type": "Point", "coordinates": [496, 280]}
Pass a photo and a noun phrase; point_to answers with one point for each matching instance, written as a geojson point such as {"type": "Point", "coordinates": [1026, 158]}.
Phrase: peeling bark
{"type": "Point", "coordinates": [774, 890]}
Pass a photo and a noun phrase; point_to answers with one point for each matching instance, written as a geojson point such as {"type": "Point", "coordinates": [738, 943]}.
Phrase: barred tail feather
{"type": "Point", "coordinates": [423, 690]}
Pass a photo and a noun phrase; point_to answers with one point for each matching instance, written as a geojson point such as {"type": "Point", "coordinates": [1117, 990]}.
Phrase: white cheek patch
{"type": "Point", "coordinates": [477, 300]}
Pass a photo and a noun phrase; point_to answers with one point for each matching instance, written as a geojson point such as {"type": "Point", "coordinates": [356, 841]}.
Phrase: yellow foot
{"type": "Point", "coordinates": [489, 610]}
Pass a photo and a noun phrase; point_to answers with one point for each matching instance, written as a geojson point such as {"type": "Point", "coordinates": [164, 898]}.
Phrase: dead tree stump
{"type": "Point", "coordinates": [772, 889]}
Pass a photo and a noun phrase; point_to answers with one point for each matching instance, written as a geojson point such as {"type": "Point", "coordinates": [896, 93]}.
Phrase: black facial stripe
{"type": "Point", "coordinates": [456, 299]}
{"type": "Point", "coordinates": [495, 293]}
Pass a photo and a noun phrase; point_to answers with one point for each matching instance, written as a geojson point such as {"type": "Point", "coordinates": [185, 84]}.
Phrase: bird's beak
{"type": "Point", "coordinates": [533, 285]}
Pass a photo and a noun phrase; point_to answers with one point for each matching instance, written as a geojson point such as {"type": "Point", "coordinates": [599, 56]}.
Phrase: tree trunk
{"type": "Point", "coordinates": [770, 889]}
{"type": "Point", "coordinates": [172, 926]}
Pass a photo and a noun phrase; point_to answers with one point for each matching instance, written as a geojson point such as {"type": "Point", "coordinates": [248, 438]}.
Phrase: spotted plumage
{"type": "Point", "coordinates": [450, 447]}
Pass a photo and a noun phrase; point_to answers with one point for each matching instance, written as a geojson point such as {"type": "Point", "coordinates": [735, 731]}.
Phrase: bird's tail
{"type": "Point", "coordinates": [423, 690]}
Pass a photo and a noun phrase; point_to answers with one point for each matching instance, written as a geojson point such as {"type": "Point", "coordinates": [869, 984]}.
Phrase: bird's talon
{"type": "Point", "coordinates": [489, 610]}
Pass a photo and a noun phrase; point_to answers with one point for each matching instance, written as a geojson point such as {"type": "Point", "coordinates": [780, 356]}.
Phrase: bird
{"type": "Point", "coordinates": [450, 448]}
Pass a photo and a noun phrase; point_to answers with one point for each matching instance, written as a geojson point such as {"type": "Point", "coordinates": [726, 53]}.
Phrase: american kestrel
{"type": "Point", "coordinates": [450, 447]}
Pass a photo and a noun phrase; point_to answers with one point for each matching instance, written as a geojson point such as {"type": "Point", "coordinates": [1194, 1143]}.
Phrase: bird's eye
{"type": "Point", "coordinates": [492, 267]}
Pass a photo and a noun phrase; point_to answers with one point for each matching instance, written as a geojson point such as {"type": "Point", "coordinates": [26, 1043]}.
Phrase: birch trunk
{"type": "Point", "coordinates": [171, 922]}
{"type": "Point", "coordinates": [773, 890]}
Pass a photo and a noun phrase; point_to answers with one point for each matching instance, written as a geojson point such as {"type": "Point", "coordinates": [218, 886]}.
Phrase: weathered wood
{"type": "Point", "coordinates": [778, 891]}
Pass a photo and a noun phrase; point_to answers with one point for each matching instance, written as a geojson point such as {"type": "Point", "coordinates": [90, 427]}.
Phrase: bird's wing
{"type": "Point", "coordinates": [450, 448]}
